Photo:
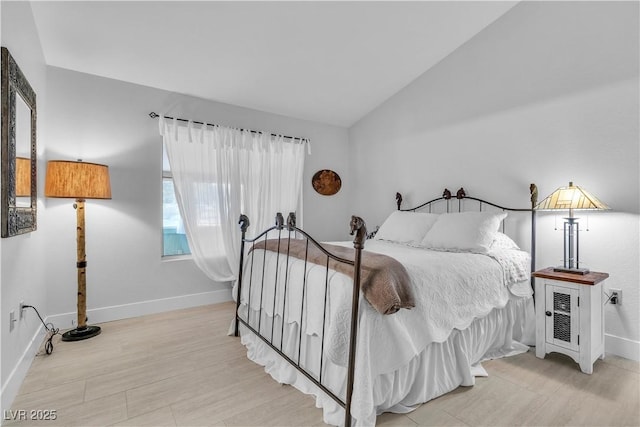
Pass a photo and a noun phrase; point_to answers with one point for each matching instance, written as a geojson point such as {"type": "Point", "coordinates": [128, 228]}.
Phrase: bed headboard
{"type": "Point", "coordinates": [461, 195]}
{"type": "Point", "coordinates": [449, 202]}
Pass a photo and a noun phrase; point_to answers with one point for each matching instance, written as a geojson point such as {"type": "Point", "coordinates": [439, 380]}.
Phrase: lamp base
{"type": "Point", "coordinates": [581, 271]}
{"type": "Point", "coordinates": [83, 333]}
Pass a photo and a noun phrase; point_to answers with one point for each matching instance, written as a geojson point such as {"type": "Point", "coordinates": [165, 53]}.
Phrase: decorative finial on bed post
{"type": "Point", "coordinates": [446, 194]}
{"type": "Point", "coordinates": [461, 194]}
{"type": "Point", "coordinates": [291, 221]}
{"type": "Point", "coordinates": [244, 223]}
{"type": "Point", "coordinates": [398, 200]}
{"type": "Point", "coordinates": [359, 228]}
{"type": "Point", "coordinates": [533, 189]}
{"type": "Point", "coordinates": [279, 221]}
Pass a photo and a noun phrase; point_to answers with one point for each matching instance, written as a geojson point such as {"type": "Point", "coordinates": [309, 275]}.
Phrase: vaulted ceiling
{"type": "Point", "coordinates": [330, 62]}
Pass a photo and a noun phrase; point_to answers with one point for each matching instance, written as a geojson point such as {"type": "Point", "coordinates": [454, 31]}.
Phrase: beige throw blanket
{"type": "Point", "coordinates": [384, 282]}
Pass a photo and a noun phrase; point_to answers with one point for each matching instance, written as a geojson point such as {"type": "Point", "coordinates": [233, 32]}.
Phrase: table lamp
{"type": "Point", "coordinates": [80, 181]}
{"type": "Point", "coordinates": [571, 198]}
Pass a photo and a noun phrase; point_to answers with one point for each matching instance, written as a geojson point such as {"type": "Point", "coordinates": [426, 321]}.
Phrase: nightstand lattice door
{"type": "Point", "coordinates": [562, 317]}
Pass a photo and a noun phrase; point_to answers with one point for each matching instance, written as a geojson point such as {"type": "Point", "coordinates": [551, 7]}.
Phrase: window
{"type": "Point", "coordinates": [174, 238]}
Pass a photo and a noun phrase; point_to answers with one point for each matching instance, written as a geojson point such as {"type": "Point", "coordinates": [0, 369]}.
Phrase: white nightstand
{"type": "Point", "coordinates": [569, 316]}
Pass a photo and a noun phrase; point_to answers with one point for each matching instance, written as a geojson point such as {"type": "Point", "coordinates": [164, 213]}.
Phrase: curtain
{"type": "Point", "coordinates": [220, 173]}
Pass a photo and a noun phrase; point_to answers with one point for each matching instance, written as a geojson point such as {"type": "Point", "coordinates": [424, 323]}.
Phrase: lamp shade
{"type": "Point", "coordinates": [23, 177]}
{"type": "Point", "coordinates": [77, 180]}
{"type": "Point", "coordinates": [570, 198]}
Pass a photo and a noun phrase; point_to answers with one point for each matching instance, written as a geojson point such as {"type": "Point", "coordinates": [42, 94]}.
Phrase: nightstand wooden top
{"type": "Point", "coordinates": [592, 278]}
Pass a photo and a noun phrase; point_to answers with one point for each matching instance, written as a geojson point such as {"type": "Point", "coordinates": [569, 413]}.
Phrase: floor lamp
{"type": "Point", "coordinates": [80, 181]}
{"type": "Point", "coordinates": [571, 198]}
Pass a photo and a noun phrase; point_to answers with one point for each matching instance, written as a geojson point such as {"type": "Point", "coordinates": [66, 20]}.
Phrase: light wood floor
{"type": "Point", "coordinates": [180, 369]}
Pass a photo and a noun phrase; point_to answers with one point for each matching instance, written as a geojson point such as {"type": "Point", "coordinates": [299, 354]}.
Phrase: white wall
{"type": "Point", "coordinates": [546, 94]}
{"type": "Point", "coordinates": [106, 121]}
{"type": "Point", "coordinates": [22, 258]}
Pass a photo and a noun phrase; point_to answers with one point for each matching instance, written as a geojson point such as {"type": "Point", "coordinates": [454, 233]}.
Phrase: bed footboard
{"type": "Point", "coordinates": [285, 233]}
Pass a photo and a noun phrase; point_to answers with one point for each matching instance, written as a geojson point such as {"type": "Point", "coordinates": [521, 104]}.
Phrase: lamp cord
{"type": "Point", "coordinates": [51, 330]}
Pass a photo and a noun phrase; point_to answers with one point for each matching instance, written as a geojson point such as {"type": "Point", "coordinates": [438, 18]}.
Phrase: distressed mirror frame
{"type": "Point", "coordinates": [16, 219]}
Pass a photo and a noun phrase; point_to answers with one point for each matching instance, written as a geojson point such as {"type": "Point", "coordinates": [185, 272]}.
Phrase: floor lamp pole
{"type": "Point", "coordinates": [82, 331]}
{"type": "Point", "coordinates": [81, 264]}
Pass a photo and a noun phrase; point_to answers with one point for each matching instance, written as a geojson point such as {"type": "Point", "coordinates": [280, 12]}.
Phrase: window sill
{"type": "Point", "coordinates": [172, 258]}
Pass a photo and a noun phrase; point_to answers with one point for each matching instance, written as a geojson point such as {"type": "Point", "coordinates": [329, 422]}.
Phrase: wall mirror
{"type": "Point", "coordinates": [19, 175]}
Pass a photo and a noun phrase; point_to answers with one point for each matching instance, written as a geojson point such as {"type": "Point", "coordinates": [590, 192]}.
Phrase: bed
{"type": "Point", "coordinates": [394, 319]}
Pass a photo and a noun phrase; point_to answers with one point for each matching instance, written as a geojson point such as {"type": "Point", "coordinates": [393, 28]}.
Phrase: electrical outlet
{"type": "Point", "coordinates": [22, 313]}
{"type": "Point", "coordinates": [617, 294]}
{"type": "Point", "coordinates": [12, 320]}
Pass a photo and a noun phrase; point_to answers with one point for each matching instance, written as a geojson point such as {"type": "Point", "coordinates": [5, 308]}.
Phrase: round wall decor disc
{"type": "Point", "coordinates": [326, 182]}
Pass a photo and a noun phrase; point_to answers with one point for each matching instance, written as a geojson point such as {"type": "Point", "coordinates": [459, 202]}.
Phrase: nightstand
{"type": "Point", "coordinates": [569, 316]}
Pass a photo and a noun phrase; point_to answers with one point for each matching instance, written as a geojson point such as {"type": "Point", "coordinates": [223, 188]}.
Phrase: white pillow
{"type": "Point", "coordinates": [464, 231]}
{"type": "Point", "coordinates": [406, 227]}
{"type": "Point", "coordinates": [502, 241]}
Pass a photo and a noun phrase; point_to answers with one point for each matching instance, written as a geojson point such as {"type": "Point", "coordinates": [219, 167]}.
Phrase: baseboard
{"type": "Point", "coordinates": [622, 347]}
{"type": "Point", "coordinates": [11, 387]}
{"type": "Point", "coordinates": [126, 311]}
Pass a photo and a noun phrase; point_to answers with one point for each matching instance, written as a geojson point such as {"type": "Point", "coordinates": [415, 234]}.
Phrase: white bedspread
{"type": "Point", "coordinates": [451, 290]}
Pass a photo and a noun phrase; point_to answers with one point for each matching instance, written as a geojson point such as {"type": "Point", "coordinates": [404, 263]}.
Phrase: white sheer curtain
{"type": "Point", "coordinates": [220, 173]}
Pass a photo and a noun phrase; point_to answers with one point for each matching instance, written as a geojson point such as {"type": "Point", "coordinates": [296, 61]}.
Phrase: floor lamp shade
{"type": "Point", "coordinates": [571, 198]}
{"type": "Point", "coordinates": [77, 180]}
{"type": "Point", "coordinates": [80, 181]}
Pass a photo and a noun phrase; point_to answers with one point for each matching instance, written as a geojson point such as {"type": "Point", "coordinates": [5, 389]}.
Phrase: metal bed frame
{"type": "Point", "coordinates": [358, 229]}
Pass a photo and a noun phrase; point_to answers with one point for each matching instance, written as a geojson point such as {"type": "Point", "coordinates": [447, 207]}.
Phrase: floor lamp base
{"type": "Point", "coordinates": [79, 334]}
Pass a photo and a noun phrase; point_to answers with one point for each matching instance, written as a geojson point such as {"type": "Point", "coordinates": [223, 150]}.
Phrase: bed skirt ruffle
{"type": "Point", "coordinates": [435, 370]}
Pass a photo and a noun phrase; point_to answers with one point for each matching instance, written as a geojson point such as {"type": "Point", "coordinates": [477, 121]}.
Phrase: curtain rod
{"type": "Point", "coordinates": [153, 115]}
